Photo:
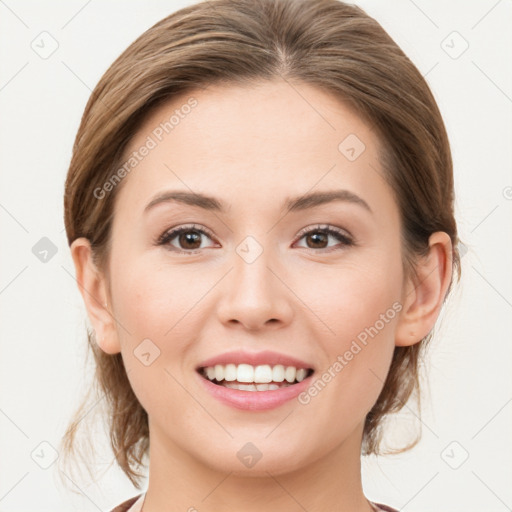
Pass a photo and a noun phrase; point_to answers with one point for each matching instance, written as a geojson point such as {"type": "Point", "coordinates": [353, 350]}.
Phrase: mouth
{"type": "Point", "coordinates": [246, 377]}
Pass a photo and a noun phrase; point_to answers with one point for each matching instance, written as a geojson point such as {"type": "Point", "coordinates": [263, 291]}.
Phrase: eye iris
{"type": "Point", "coordinates": [316, 236]}
{"type": "Point", "coordinates": [188, 236]}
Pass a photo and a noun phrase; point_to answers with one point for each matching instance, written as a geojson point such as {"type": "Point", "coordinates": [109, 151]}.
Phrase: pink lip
{"type": "Point", "coordinates": [254, 400]}
{"type": "Point", "coordinates": [254, 359]}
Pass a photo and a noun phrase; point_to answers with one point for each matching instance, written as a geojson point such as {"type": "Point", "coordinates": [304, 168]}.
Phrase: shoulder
{"type": "Point", "coordinates": [379, 507]}
{"type": "Point", "coordinates": [126, 505]}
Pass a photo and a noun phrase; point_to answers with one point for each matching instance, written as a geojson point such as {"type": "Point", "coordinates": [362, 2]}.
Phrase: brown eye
{"type": "Point", "coordinates": [318, 238]}
{"type": "Point", "coordinates": [187, 238]}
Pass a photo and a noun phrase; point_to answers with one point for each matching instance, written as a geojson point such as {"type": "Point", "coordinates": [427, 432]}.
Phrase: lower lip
{"type": "Point", "coordinates": [255, 400]}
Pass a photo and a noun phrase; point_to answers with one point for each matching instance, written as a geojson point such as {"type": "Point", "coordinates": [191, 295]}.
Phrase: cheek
{"type": "Point", "coordinates": [159, 308]}
{"type": "Point", "coordinates": [358, 298]}
{"type": "Point", "coordinates": [153, 300]}
{"type": "Point", "coordinates": [155, 312]}
{"type": "Point", "coordinates": [361, 307]}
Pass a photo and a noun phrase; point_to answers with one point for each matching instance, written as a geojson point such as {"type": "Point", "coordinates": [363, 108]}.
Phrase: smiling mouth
{"type": "Point", "coordinates": [245, 377]}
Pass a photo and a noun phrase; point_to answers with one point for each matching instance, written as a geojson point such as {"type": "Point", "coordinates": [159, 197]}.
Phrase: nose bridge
{"type": "Point", "coordinates": [254, 295]}
{"type": "Point", "coordinates": [252, 264]}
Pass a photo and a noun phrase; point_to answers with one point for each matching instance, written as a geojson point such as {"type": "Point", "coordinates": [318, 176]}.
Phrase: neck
{"type": "Point", "coordinates": [178, 481]}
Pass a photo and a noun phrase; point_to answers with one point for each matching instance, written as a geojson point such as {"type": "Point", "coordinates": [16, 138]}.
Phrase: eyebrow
{"type": "Point", "coordinates": [294, 204]}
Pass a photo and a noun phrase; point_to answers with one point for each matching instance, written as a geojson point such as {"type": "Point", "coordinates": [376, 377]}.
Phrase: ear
{"type": "Point", "coordinates": [423, 295]}
{"type": "Point", "coordinates": [93, 287]}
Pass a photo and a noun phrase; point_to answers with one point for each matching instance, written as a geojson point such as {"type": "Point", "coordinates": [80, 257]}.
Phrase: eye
{"type": "Point", "coordinates": [319, 237]}
{"type": "Point", "coordinates": [188, 238]}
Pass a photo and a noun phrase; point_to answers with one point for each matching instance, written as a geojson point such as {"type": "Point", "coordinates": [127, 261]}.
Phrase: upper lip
{"type": "Point", "coordinates": [255, 359]}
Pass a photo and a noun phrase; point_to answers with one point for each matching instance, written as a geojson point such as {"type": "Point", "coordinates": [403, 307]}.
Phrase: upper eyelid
{"type": "Point", "coordinates": [324, 227]}
{"type": "Point", "coordinates": [171, 232]}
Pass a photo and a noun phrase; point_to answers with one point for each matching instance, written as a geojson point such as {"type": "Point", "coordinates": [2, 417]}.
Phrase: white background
{"type": "Point", "coordinates": [43, 319]}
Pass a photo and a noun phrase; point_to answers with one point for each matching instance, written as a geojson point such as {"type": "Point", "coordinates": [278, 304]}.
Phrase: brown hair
{"type": "Point", "coordinates": [334, 46]}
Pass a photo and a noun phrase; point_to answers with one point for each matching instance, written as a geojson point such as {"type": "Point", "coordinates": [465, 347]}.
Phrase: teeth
{"type": "Point", "coordinates": [253, 387]}
{"type": "Point", "coordinates": [278, 373]}
{"type": "Point", "coordinates": [301, 374]}
{"type": "Point", "coordinates": [264, 376]}
{"type": "Point", "coordinates": [289, 373]}
{"type": "Point", "coordinates": [230, 372]}
{"type": "Point", "coordinates": [245, 373]}
{"type": "Point", "coordinates": [219, 372]}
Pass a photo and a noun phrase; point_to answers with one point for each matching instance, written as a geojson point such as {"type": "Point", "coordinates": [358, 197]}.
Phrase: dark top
{"type": "Point", "coordinates": [126, 505]}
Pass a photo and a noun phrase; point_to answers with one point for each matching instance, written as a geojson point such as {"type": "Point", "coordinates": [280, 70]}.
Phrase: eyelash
{"type": "Point", "coordinates": [167, 236]}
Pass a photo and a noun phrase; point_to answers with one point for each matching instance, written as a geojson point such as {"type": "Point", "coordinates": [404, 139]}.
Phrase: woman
{"type": "Point", "coordinates": [259, 207]}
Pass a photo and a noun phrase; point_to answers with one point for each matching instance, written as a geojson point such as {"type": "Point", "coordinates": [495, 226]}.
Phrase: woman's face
{"type": "Point", "coordinates": [250, 275]}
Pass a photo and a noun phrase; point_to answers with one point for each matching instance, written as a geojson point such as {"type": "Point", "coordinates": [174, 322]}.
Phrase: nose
{"type": "Point", "coordinates": [255, 295]}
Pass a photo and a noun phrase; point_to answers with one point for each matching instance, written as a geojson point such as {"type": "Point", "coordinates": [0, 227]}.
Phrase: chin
{"type": "Point", "coordinates": [259, 457]}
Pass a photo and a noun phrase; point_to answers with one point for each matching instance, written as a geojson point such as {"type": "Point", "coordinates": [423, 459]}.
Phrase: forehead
{"type": "Point", "coordinates": [267, 139]}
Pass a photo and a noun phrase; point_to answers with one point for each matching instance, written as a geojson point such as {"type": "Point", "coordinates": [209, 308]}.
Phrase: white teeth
{"type": "Point", "coordinates": [247, 387]}
{"type": "Point", "coordinates": [232, 385]}
{"type": "Point", "coordinates": [289, 373]}
{"type": "Point", "coordinates": [219, 372]}
{"type": "Point", "coordinates": [265, 376]}
{"type": "Point", "coordinates": [301, 374]}
{"type": "Point", "coordinates": [243, 387]}
{"type": "Point", "coordinates": [245, 373]}
{"type": "Point", "coordinates": [253, 387]}
{"type": "Point", "coordinates": [278, 373]}
{"type": "Point", "coordinates": [230, 372]}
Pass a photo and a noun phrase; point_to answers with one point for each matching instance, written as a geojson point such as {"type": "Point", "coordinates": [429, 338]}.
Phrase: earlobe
{"type": "Point", "coordinates": [93, 288]}
{"type": "Point", "coordinates": [424, 295]}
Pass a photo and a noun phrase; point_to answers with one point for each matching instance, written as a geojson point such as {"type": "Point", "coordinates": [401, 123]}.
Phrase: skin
{"type": "Point", "coordinates": [252, 148]}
